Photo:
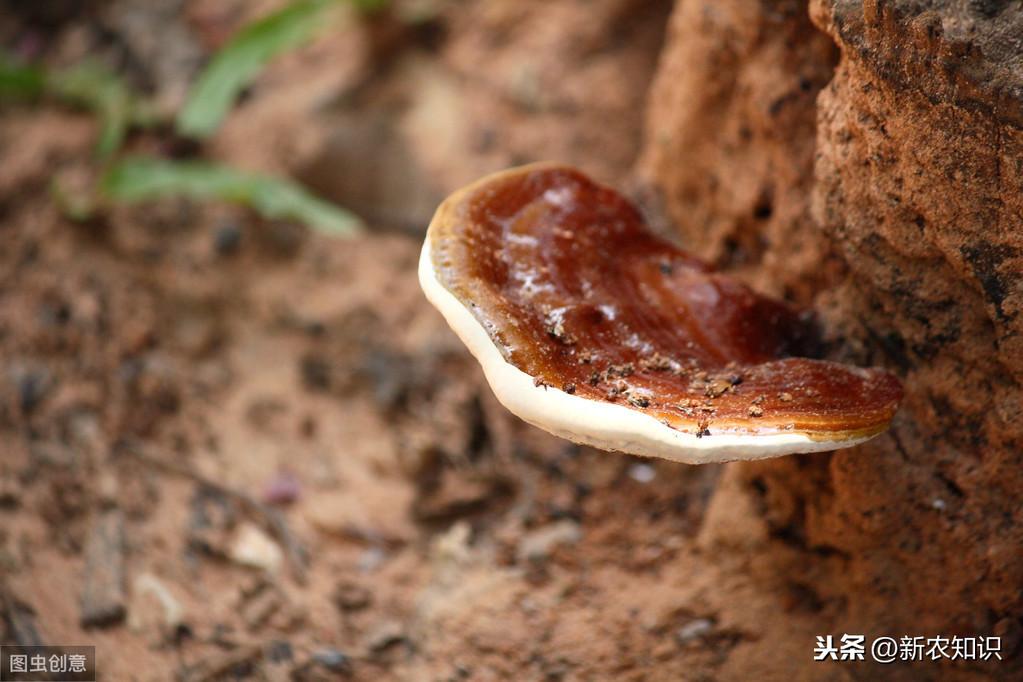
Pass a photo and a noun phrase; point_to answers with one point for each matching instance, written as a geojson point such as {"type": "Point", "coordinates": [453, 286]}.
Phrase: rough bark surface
{"type": "Point", "coordinates": [730, 136]}
{"type": "Point", "coordinates": [918, 181]}
{"type": "Point", "coordinates": [908, 234]}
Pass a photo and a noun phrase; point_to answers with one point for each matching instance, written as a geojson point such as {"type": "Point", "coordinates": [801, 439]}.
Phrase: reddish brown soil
{"type": "Point", "coordinates": [419, 495]}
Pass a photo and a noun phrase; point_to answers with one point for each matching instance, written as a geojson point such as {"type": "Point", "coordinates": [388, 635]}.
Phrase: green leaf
{"type": "Point", "coordinates": [137, 179]}
{"type": "Point", "coordinates": [238, 62]}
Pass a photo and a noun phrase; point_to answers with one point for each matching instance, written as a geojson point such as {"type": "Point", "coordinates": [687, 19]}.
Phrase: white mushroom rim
{"type": "Point", "coordinates": [603, 425]}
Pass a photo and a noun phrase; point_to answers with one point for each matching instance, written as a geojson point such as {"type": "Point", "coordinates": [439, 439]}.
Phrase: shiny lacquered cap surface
{"type": "Point", "coordinates": [593, 328]}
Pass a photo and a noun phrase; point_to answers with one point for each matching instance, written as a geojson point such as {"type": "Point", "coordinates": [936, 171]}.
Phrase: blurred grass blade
{"type": "Point", "coordinates": [138, 179]}
{"type": "Point", "coordinates": [17, 81]}
{"type": "Point", "coordinates": [87, 85]}
{"type": "Point", "coordinates": [93, 87]}
{"type": "Point", "coordinates": [237, 63]}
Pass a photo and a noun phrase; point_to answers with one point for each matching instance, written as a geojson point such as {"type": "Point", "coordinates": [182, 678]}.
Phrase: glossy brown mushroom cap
{"type": "Point", "coordinates": [572, 290]}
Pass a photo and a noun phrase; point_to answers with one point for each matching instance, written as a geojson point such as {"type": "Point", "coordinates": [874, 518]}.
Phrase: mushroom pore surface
{"type": "Point", "coordinates": [573, 290]}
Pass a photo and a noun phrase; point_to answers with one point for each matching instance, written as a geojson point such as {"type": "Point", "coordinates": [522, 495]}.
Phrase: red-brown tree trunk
{"type": "Point", "coordinates": [883, 185]}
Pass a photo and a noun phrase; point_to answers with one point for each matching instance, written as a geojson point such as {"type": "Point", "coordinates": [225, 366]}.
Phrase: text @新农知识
{"type": "Point", "coordinates": [848, 647]}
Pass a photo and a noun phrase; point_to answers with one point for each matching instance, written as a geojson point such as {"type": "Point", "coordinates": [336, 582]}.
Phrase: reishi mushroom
{"type": "Point", "coordinates": [592, 328]}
